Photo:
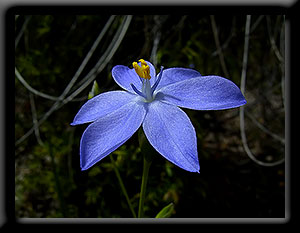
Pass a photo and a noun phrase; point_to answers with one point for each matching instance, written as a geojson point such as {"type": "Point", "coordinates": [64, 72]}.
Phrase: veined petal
{"type": "Point", "coordinates": [174, 75]}
{"type": "Point", "coordinates": [203, 93]}
{"type": "Point", "coordinates": [102, 105]}
{"type": "Point", "coordinates": [109, 132]}
{"type": "Point", "coordinates": [152, 73]}
{"type": "Point", "coordinates": [124, 76]}
{"type": "Point", "coordinates": [171, 133]}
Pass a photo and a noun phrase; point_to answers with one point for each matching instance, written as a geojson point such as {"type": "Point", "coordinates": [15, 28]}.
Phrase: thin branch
{"type": "Point", "coordinates": [282, 49]}
{"type": "Point", "coordinates": [153, 56]}
{"type": "Point", "coordinates": [34, 120]}
{"type": "Point", "coordinates": [90, 77]}
{"type": "Point", "coordinates": [227, 41]}
{"type": "Point", "coordinates": [88, 56]}
{"type": "Point", "coordinates": [264, 129]}
{"type": "Point", "coordinates": [78, 72]}
{"type": "Point", "coordinates": [38, 93]}
{"type": "Point", "coordinates": [58, 103]}
{"type": "Point", "coordinates": [122, 185]}
{"type": "Point", "coordinates": [273, 43]}
{"type": "Point", "coordinates": [156, 31]}
{"type": "Point", "coordinates": [45, 116]}
{"type": "Point", "coordinates": [219, 49]}
{"type": "Point", "coordinates": [245, 55]}
{"type": "Point", "coordinates": [110, 51]}
{"type": "Point", "coordinates": [31, 89]}
{"type": "Point", "coordinates": [243, 83]}
{"type": "Point", "coordinates": [20, 34]}
{"type": "Point", "coordinates": [253, 27]}
{"type": "Point", "coordinates": [112, 46]}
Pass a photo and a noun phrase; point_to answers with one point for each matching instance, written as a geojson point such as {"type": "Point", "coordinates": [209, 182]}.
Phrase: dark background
{"type": "Point", "coordinates": [48, 179]}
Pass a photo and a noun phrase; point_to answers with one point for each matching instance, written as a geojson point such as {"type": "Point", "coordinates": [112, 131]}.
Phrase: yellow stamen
{"type": "Point", "coordinates": [143, 71]}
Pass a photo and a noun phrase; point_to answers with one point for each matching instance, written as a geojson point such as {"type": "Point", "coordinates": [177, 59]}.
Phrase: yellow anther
{"type": "Point", "coordinates": [143, 71]}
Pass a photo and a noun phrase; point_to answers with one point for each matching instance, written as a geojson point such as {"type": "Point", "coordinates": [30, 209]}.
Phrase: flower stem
{"type": "Point", "coordinates": [122, 185]}
{"type": "Point", "coordinates": [146, 167]}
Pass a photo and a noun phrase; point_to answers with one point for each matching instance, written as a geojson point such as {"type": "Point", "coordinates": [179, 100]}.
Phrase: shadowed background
{"type": "Point", "coordinates": [57, 59]}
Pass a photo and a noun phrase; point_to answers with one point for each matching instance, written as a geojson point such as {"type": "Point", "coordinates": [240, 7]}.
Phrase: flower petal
{"type": "Point", "coordinates": [152, 73]}
{"type": "Point", "coordinates": [102, 105]}
{"type": "Point", "coordinates": [109, 132]}
{"type": "Point", "coordinates": [171, 133]}
{"type": "Point", "coordinates": [203, 93]}
{"type": "Point", "coordinates": [174, 75]}
{"type": "Point", "coordinates": [124, 76]}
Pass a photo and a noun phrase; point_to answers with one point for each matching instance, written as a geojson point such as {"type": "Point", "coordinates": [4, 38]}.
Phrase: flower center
{"type": "Point", "coordinates": [143, 71]}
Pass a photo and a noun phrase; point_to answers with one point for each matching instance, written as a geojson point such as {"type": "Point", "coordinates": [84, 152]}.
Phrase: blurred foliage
{"type": "Point", "coordinates": [48, 179]}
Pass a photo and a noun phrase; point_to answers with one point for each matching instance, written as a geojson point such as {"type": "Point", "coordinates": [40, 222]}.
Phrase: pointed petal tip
{"type": "Point", "coordinates": [84, 165]}
{"type": "Point", "coordinates": [242, 103]}
{"type": "Point", "coordinates": [197, 170]}
{"type": "Point", "coordinates": [206, 93]}
{"type": "Point", "coordinates": [74, 123]}
{"type": "Point", "coordinates": [195, 166]}
{"type": "Point", "coordinates": [84, 168]}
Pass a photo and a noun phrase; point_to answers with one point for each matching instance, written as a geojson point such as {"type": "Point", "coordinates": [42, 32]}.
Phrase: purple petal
{"type": "Point", "coordinates": [124, 76]}
{"type": "Point", "coordinates": [157, 81]}
{"type": "Point", "coordinates": [171, 133]}
{"type": "Point", "coordinates": [174, 75]}
{"type": "Point", "coordinates": [203, 93]}
{"type": "Point", "coordinates": [102, 105]}
{"type": "Point", "coordinates": [109, 132]}
{"type": "Point", "coordinates": [152, 73]}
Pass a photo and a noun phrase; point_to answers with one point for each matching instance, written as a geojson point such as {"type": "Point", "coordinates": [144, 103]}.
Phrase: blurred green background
{"type": "Point", "coordinates": [49, 52]}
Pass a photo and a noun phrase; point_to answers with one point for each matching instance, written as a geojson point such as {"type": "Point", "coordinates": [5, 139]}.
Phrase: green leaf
{"type": "Point", "coordinates": [95, 90]}
{"type": "Point", "coordinates": [166, 211]}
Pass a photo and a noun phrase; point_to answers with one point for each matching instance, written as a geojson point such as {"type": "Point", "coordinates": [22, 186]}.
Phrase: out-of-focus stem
{"type": "Point", "coordinates": [122, 185]}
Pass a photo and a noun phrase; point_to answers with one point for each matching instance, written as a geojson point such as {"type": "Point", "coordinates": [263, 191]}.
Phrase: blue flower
{"type": "Point", "coordinates": [152, 101]}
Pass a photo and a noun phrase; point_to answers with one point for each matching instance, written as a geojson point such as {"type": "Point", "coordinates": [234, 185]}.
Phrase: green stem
{"type": "Point", "coordinates": [57, 183]}
{"type": "Point", "coordinates": [122, 185]}
{"type": "Point", "coordinates": [146, 167]}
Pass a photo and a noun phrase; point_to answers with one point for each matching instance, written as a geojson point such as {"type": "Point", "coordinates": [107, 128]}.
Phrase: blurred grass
{"type": "Point", "coordinates": [229, 185]}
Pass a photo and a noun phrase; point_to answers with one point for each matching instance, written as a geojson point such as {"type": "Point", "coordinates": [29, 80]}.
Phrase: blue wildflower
{"type": "Point", "coordinates": [152, 101]}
